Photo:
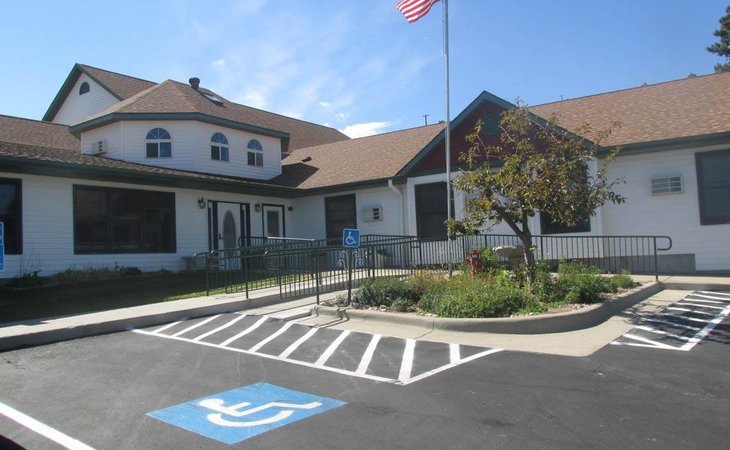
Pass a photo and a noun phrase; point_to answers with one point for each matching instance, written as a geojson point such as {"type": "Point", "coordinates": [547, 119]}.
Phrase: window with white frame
{"type": "Point", "coordinates": [159, 143]}
{"type": "Point", "coordinates": [219, 147]}
{"type": "Point", "coordinates": [255, 153]}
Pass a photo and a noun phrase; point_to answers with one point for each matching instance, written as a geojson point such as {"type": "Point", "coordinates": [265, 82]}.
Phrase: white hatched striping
{"type": "Point", "coordinates": [331, 349]}
{"type": "Point", "coordinates": [705, 300]}
{"type": "Point", "coordinates": [693, 311]}
{"type": "Point", "coordinates": [702, 306]}
{"type": "Point", "coordinates": [199, 324]}
{"type": "Point", "coordinates": [674, 324]}
{"type": "Point", "coordinates": [297, 343]}
{"type": "Point", "coordinates": [276, 334]}
{"type": "Point", "coordinates": [222, 327]}
{"type": "Point", "coordinates": [169, 325]}
{"type": "Point", "coordinates": [245, 332]}
{"type": "Point", "coordinates": [405, 375]}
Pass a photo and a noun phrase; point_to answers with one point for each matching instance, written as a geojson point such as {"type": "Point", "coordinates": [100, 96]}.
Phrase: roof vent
{"type": "Point", "coordinates": [194, 83]}
{"type": "Point", "coordinates": [307, 159]}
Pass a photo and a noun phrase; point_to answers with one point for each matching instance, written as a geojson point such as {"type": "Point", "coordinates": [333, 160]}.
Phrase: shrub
{"type": "Point", "coordinates": [622, 281]}
{"type": "Point", "coordinates": [385, 291]}
{"type": "Point", "coordinates": [490, 261]}
{"type": "Point", "coordinates": [581, 283]}
{"type": "Point", "coordinates": [465, 296]}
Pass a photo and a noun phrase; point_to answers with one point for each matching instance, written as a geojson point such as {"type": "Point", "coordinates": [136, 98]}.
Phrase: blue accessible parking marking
{"type": "Point", "coordinates": [236, 415]}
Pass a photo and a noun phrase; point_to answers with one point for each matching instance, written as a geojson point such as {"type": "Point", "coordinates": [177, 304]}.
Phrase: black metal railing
{"type": "Point", "coordinates": [299, 267]}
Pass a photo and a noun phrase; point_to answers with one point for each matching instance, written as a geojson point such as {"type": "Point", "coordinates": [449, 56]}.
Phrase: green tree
{"type": "Point", "coordinates": [536, 166]}
{"type": "Point", "coordinates": [722, 48]}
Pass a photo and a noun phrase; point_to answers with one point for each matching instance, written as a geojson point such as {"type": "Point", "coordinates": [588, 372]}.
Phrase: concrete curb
{"type": "Point", "coordinates": [64, 328]}
{"type": "Point", "coordinates": [587, 317]}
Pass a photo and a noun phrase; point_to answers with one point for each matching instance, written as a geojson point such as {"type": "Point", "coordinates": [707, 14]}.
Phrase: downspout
{"type": "Point", "coordinates": [403, 208]}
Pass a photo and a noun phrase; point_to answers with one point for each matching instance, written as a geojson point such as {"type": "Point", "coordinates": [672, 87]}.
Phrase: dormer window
{"type": "Point", "coordinates": [84, 88]}
{"type": "Point", "coordinates": [255, 153]}
{"type": "Point", "coordinates": [219, 147]}
{"type": "Point", "coordinates": [159, 143]}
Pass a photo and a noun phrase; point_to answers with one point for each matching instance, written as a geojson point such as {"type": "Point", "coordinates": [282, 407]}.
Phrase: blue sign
{"type": "Point", "coordinates": [351, 238]}
{"type": "Point", "coordinates": [236, 415]}
{"type": "Point", "coordinates": [2, 247]}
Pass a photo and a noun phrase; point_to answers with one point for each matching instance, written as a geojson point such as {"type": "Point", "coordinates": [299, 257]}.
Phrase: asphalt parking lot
{"type": "Point", "coordinates": [163, 387]}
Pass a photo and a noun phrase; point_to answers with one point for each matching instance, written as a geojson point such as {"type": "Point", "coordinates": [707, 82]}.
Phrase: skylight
{"type": "Point", "coordinates": [213, 98]}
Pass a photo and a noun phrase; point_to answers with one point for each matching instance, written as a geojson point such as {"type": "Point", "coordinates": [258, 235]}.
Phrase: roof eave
{"type": "Point", "coordinates": [662, 145]}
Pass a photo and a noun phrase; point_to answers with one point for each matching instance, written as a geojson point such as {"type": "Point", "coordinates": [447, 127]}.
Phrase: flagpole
{"type": "Point", "coordinates": [448, 133]}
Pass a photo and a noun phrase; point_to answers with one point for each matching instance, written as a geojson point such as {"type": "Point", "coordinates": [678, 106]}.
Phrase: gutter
{"type": "Point", "coordinates": [403, 209]}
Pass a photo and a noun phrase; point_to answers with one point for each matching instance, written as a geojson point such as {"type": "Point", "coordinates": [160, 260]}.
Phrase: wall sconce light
{"type": "Point", "coordinates": [257, 207]}
{"type": "Point", "coordinates": [291, 208]}
{"type": "Point", "coordinates": [201, 203]}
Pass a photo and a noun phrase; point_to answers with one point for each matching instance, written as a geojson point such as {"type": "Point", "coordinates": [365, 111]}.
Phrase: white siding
{"type": "Point", "coordinates": [675, 215]}
{"type": "Point", "coordinates": [126, 140]}
{"type": "Point", "coordinates": [77, 107]}
{"type": "Point", "coordinates": [308, 217]}
{"type": "Point", "coordinates": [48, 227]}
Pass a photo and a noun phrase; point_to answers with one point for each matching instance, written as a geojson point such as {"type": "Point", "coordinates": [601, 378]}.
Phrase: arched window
{"type": "Point", "coordinates": [255, 153]}
{"type": "Point", "coordinates": [219, 147]}
{"type": "Point", "coordinates": [159, 143]}
{"type": "Point", "coordinates": [84, 88]}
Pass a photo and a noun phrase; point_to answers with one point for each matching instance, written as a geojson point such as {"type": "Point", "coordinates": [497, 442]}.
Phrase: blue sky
{"type": "Point", "coordinates": [357, 65]}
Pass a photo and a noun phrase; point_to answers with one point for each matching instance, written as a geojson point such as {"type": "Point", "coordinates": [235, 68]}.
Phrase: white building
{"type": "Point", "coordinates": [123, 171]}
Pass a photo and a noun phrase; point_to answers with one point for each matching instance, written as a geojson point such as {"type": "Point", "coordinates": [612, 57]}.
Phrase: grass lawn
{"type": "Point", "coordinates": [52, 301]}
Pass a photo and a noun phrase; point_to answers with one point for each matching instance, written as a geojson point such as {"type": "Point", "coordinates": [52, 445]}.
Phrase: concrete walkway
{"type": "Point", "coordinates": [267, 301]}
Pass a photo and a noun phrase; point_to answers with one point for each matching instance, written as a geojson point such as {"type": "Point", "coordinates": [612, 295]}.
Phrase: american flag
{"type": "Point", "coordinates": [415, 9]}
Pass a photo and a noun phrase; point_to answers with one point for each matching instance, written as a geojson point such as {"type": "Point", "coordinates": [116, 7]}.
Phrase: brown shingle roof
{"type": "Point", "coordinates": [369, 158]}
{"type": "Point", "coordinates": [174, 97]}
{"type": "Point", "coordinates": [34, 132]}
{"type": "Point", "coordinates": [681, 108]}
{"type": "Point", "coordinates": [123, 86]}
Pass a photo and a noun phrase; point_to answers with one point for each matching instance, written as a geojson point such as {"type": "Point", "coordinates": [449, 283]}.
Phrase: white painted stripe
{"type": "Point", "coordinates": [674, 324]}
{"type": "Point", "coordinates": [272, 357]}
{"type": "Point", "coordinates": [289, 350]}
{"type": "Point", "coordinates": [278, 333]}
{"type": "Point", "coordinates": [683, 317]}
{"type": "Point", "coordinates": [693, 311]}
{"type": "Point", "coordinates": [199, 324]}
{"type": "Point", "coordinates": [169, 325]}
{"type": "Point", "coordinates": [406, 365]}
{"type": "Point", "coordinates": [650, 342]}
{"type": "Point", "coordinates": [245, 332]}
{"type": "Point", "coordinates": [331, 349]}
{"type": "Point", "coordinates": [665, 333]}
{"type": "Point", "coordinates": [368, 355]}
{"type": "Point", "coordinates": [701, 306]}
{"type": "Point", "coordinates": [704, 300]}
{"type": "Point", "coordinates": [215, 330]}
{"type": "Point", "coordinates": [706, 330]}
{"type": "Point", "coordinates": [454, 353]}
{"type": "Point", "coordinates": [633, 344]}
{"type": "Point", "coordinates": [722, 294]}
{"type": "Point", "coordinates": [710, 295]}
{"type": "Point", "coordinates": [43, 429]}
{"type": "Point", "coordinates": [449, 366]}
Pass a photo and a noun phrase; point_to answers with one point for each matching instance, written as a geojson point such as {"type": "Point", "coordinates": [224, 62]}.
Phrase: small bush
{"type": "Point", "coordinates": [622, 281]}
{"type": "Point", "coordinates": [385, 291]}
{"type": "Point", "coordinates": [490, 261]}
{"type": "Point", "coordinates": [465, 296]}
{"type": "Point", "coordinates": [582, 284]}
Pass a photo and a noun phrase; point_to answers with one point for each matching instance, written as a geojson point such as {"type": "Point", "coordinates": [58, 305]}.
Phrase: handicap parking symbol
{"type": "Point", "coordinates": [236, 415]}
{"type": "Point", "coordinates": [351, 238]}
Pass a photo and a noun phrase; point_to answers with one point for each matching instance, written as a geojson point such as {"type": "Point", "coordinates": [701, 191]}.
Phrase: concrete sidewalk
{"type": "Point", "coordinates": [267, 301]}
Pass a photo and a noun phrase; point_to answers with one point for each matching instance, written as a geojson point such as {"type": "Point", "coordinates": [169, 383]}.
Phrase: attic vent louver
{"type": "Point", "coordinates": [666, 185]}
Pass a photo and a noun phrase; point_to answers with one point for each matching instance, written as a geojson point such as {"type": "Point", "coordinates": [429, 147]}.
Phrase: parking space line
{"type": "Point", "coordinates": [693, 311]}
{"type": "Point", "coordinates": [680, 316]}
{"type": "Point", "coordinates": [42, 429]}
{"type": "Point", "coordinates": [406, 365]}
{"type": "Point", "coordinates": [454, 364]}
{"type": "Point", "coordinates": [245, 332]}
{"type": "Point", "coordinates": [331, 349]}
{"type": "Point", "coordinates": [665, 333]}
{"type": "Point", "coordinates": [711, 297]}
{"type": "Point", "coordinates": [289, 350]}
{"type": "Point", "coordinates": [222, 327]}
{"type": "Point", "coordinates": [705, 331]}
{"type": "Point", "coordinates": [454, 353]}
{"type": "Point", "coordinates": [368, 355]}
{"type": "Point", "coordinates": [705, 300]}
{"type": "Point", "coordinates": [278, 333]}
{"type": "Point", "coordinates": [199, 324]}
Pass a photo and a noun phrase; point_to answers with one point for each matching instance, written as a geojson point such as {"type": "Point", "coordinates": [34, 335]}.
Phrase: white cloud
{"type": "Point", "coordinates": [341, 116]}
{"type": "Point", "coordinates": [324, 104]}
{"type": "Point", "coordinates": [365, 129]}
{"type": "Point", "coordinates": [219, 62]}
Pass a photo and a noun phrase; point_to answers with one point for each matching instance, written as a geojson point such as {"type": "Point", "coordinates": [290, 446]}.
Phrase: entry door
{"type": "Point", "coordinates": [230, 224]}
{"type": "Point", "coordinates": [274, 221]}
